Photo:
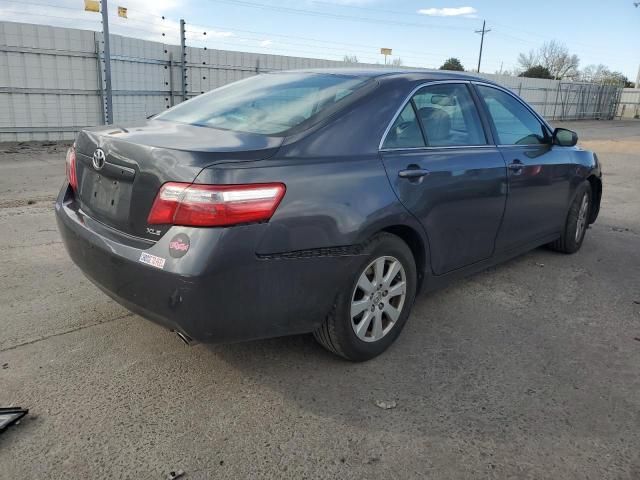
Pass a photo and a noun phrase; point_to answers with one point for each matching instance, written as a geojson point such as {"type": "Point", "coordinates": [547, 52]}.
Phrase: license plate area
{"type": "Point", "coordinates": [108, 197]}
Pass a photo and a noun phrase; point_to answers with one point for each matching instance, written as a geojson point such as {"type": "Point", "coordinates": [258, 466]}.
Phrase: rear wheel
{"type": "Point", "coordinates": [577, 222]}
{"type": "Point", "coordinates": [372, 310]}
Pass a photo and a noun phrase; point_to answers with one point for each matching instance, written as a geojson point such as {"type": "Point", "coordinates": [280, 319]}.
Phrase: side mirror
{"type": "Point", "coordinates": [564, 137]}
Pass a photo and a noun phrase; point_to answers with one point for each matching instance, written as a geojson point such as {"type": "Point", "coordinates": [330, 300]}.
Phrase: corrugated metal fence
{"type": "Point", "coordinates": [629, 106]}
{"type": "Point", "coordinates": [51, 81]}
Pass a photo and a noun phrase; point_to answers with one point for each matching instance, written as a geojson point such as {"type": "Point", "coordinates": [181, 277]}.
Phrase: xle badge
{"type": "Point", "coordinates": [179, 245]}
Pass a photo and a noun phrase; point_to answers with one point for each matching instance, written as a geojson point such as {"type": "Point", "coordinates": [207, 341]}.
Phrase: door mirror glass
{"type": "Point", "coordinates": [564, 137]}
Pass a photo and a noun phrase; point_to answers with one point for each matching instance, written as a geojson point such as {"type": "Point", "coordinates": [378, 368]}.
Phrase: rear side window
{"type": "Point", "coordinates": [267, 104]}
{"type": "Point", "coordinates": [449, 116]}
{"type": "Point", "coordinates": [514, 123]}
{"type": "Point", "coordinates": [405, 131]}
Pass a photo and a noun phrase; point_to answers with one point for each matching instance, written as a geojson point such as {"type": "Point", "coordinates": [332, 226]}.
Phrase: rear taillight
{"type": "Point", "coordinates": [72, 177]}
{"type": "Point", "coordinates": [215, 205]}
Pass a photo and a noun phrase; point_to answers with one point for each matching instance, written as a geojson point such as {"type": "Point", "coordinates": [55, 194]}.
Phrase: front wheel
{"type": "Point", "coordinates": [577, 222]}
{"type": "Point", "coordinates": [369, 315]}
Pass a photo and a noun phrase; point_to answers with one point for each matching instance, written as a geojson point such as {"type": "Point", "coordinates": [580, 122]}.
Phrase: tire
{"type": "Point", "coordinates": [577, 222]}
{"type": "Point", "coordinates": [376, 306]}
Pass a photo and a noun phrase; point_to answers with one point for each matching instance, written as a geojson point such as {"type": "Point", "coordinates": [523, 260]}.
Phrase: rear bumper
{"type": "Point", "coordinates": [220, 291]}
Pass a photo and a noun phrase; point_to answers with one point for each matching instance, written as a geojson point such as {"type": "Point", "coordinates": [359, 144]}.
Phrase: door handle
{"type": "Point", "coordinates": [413, 173]}
{"type": "Point", "coordinates": [516, 166]}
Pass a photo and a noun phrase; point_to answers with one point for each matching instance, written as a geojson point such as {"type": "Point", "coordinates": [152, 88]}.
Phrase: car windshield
{"type": "Point", "coordinates": [267, 104]}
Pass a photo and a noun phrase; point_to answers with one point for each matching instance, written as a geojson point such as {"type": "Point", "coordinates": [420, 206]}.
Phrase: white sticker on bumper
{"type": "Point", "coordinates": [152, 260]}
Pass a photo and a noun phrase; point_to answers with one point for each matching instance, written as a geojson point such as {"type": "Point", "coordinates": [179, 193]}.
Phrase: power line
{"type": "Point", "coordinates": [48, 15]}
{"type": "Point", "coordinates": [315, 13]}
{"type": "Point", "coordinates": [80, 10]}
{"type": "Point", "coordinates": [45, 5]}
{"type": "Point", "coordinates": [344, 47]}
{"type": "Point", "coordinates": [420, 57]}
{"type": "Point", "coordinates": [139, 29]}
{"type": "Point", "coordinates": [543, 39]}
{"type": "Point", "coordinates": [299, 11]}
{"type": "Point", "coordinates": [381, 10]}
{"type": "Point", "coordinates": [371, 56]}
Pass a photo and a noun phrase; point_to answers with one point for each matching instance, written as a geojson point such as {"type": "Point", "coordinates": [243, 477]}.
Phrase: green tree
{"type": "Point", "coordinates": [452, 64]}
{"type": "Point", "coordinates": [537, 71]}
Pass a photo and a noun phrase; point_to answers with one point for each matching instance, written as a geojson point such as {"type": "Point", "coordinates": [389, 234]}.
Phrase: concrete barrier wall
{"type": "Point", "coordinates": [51, 80]}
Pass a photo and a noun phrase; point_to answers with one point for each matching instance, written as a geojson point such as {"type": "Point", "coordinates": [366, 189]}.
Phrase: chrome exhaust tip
{"type": "Point", "coordinates": [185, 338]}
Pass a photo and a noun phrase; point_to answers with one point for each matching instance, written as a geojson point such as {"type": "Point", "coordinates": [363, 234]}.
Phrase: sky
{"type": "Point", "coordinates": [422, 33]}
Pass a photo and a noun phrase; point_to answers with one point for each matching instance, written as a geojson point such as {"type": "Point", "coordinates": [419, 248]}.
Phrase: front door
{"type": "Point", "coordinates": [446, 173]}
{"type": "Point", "coordinates": [539, 172]}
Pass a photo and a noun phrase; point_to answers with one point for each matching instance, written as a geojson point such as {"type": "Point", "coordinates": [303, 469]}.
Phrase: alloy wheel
{"type": "Point", "coordinates": [581, 222]}
{"type": "Point", "coordinates": [378, 298]}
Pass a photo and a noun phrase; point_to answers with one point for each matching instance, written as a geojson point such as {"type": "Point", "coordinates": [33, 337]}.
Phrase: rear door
{"type": "Point", "coordinates": [444, 169]}
{"type": "Point", "coordinates": [539, 173]}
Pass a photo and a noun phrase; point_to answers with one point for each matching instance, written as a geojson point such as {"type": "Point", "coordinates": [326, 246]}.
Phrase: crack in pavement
{"type": "Point", "coordinates": [46, 244]}
{"type": "Point", "coordinates": [24, 202]}
{"type": "Point", "coordinates": [36, 340]}
{"type": "Point", "coordinates": [619, 229]}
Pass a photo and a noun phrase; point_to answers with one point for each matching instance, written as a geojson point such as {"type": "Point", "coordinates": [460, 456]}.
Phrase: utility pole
{"type": "Point", "coordinates": [107, 63]}
{"type": "Point", "coordinates": [482, 32]}
{"type": "Point", "coordinates": [637, 5]}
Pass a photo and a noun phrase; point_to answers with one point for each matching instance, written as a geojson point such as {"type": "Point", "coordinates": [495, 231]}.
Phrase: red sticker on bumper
{"type": "Point", "coordinates": [179, 245]}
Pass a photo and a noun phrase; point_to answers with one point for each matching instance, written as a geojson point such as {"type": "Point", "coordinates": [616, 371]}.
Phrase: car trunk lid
{"type": "Point", "coordinates": [120, 170]}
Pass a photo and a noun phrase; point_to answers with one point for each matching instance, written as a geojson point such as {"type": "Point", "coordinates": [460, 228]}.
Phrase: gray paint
{"type": "Point", "coordinates": [340, 191]}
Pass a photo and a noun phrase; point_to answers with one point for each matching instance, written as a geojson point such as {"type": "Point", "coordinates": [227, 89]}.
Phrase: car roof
{"type": "Point", "coordinates": [413, 73]}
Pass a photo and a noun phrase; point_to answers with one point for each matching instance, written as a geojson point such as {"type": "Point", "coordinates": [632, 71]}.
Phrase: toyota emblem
{"type": "Point", "coordinates": [98, 159]}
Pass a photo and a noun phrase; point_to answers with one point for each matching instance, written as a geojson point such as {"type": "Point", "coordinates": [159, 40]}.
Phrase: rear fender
{"type": "Point", "coordinates": [329, 202]}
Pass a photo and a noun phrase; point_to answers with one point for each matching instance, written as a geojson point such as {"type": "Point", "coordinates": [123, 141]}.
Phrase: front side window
{"type": "Point", "coordinates": [515, 124]}
{"type": "Point", "coordinates": [449, 116]}
{"type": "Point", "coordinates": [267, 104]}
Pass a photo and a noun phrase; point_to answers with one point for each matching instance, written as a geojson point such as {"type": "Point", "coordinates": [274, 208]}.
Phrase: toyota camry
{"type": "Point", "coordinates": [319, 201]}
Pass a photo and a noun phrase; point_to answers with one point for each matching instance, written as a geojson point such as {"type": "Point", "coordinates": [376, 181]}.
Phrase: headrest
{"type": "Point", "coordinates": [437, 123]}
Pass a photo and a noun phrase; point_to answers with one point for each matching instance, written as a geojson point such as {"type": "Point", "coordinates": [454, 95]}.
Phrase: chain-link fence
{"type": "Point", "coordinates": [54, 81]}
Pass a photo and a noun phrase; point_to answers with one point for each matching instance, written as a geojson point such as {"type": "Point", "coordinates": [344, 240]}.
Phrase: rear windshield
{"type": "Point", "coordinates": [267, 104]}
